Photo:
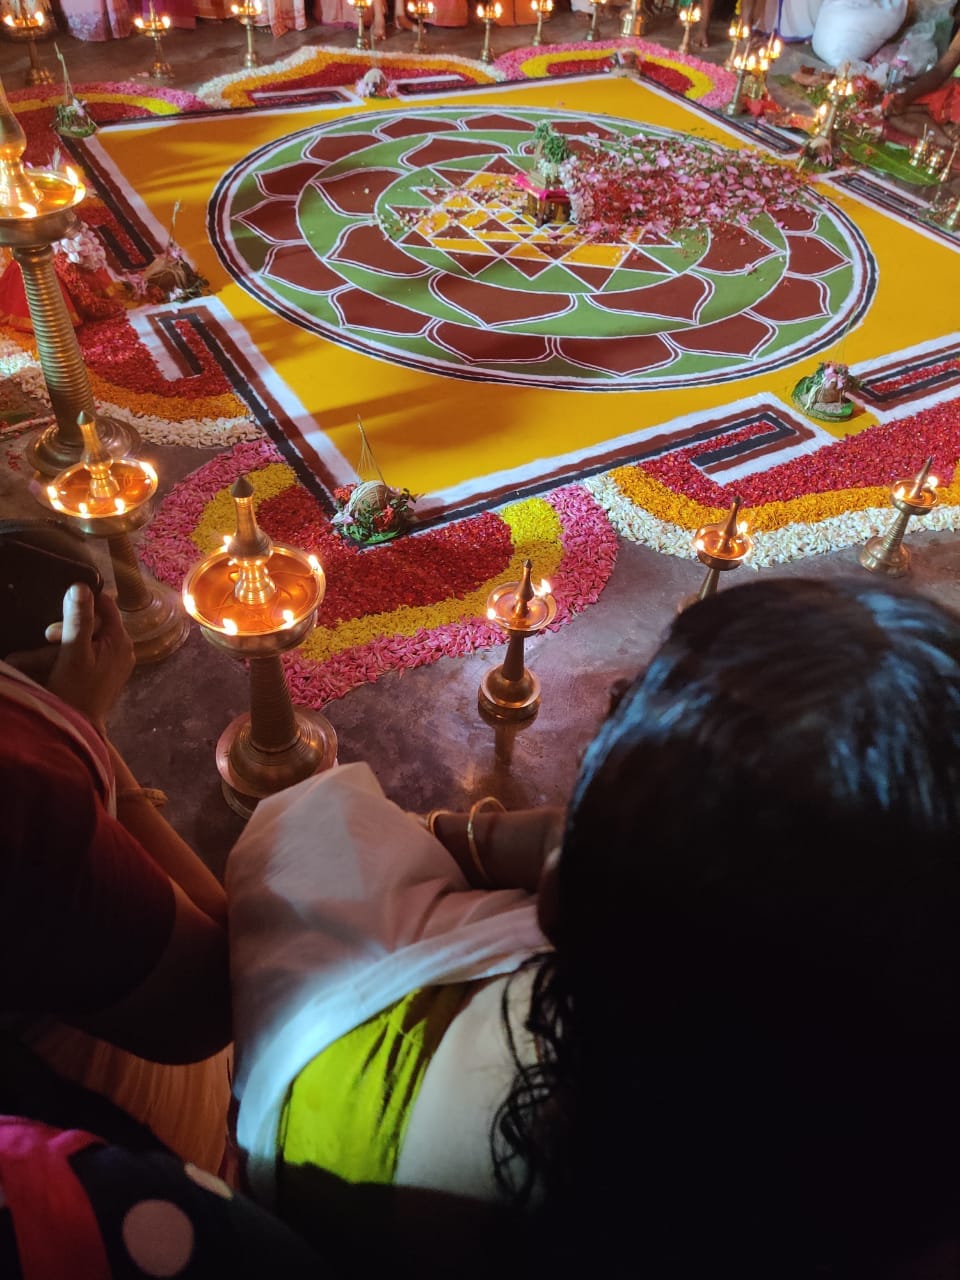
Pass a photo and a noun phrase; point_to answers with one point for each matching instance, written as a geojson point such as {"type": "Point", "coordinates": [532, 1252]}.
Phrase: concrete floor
{"type": "Point", "coordinates": [421, 731]}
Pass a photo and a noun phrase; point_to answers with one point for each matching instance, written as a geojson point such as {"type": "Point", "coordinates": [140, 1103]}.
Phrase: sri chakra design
{"type": "Point", "coordinates": [403, 235]}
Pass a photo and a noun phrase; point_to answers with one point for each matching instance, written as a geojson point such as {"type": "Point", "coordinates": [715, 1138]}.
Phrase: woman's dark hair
{"type": "Point", "coordinates": [749, 1031]}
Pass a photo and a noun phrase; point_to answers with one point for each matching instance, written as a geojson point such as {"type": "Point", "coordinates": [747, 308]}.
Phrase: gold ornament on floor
{"type": "Point", "coordinates": [37, 209]}
{"type": "Point", "coordinates": [689, 15]}
{"type": "Point", "coordinates": [257, 599]}
{"type": "Point", "coordinates": [22, 24]}
{"type": "Point", "coordinates": [246, 13]}
{"type": "Point", "coordinates": [597, 5]}
{"type": "Point", "coordinates": [420, 10]}
{"type": "Point", "coordinates": [107, 497]}
{"type": "Point", "coordinates": [886, 553]}
{"type": "Point", "coordinates": [721, 547]}
{"type": "Point", "coordinates": [488, 12]}
{"type": "Point", "coordinates": [510, 691]}
{"type": "Point", "coordinates": [156, 26]}
{"type": "Point", "coordinates": [361, 6]}
{"type": "Point", "coordinates": [543, 9]}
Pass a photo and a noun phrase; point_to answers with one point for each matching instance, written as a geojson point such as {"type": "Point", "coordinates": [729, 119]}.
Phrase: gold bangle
{"type": "Point", "coordinates": [152, 795]}
{"type": "Point", "coordinates": [471, 839]}
{"type": "Point", "coordinates": [430, 821]}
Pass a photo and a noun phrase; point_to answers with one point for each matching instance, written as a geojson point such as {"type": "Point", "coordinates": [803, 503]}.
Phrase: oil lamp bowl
{"type": "Point", "coordinates": [719, 551]}
{"type": "Point", "coordinates": [100, 517]}
{"type": "Point", "coordinates": [281, 623]}
{"type": "Point", "coordinates": [541, 610]}
{"type": "Point", "coordinates": [57, 197]}
{"type": "Point", "coordinates": [903, 499]}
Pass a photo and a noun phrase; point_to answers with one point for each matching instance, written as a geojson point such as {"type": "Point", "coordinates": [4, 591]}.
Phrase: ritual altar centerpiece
{"type": "Point", "coordinates": [823, 394]}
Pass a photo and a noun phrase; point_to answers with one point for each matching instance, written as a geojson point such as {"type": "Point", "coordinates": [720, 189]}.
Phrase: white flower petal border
{"type": "Point", "coordinates": [794, 541]}
{"type": "Point", "coordinates": [211, 91]}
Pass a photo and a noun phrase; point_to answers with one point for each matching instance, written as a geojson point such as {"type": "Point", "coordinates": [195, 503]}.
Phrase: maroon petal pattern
{"type": "Point", "coordinates": [492, 305]}
{"type": "Point", "coordinates": [274, 220]}
{"type": "Point", "coordinates": [811, 256]}
{"type": "Point", "coordinates": [356, 192]}
{"type": "Point", "coordinates": [367, 311]}
{"type": "Point", "coordinates": [794, 298]}
{"type": "Point", "coordinates": [621, 356]}
{"type": "Point", "coordinates": [365, 245]}
{"type": "Point", "coordinates": [298, 265]}
{"type": "Point", "coordinates": [742, 335]}
{"type": "Point", "coordinates": [734, 250]}
{"type": "Point", "coordinates": [682, 298]}
{"type": "Point", "coordinates": [486, 346]}
{"type": "Point", "coordinates": [288, 181]}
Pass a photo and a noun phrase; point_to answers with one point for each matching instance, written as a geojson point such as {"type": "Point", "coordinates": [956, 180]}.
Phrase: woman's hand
{"type": "Point", "coordinates": [894, 104]}
{"type": "Point", "coordinates": [93, 657]}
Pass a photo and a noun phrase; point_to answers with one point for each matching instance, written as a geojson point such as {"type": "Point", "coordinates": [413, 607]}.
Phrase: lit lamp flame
{"type": "Point", "coordinates": [99, 487]}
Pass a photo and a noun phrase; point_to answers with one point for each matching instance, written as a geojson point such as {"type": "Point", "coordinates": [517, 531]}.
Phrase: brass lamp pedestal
{"type": "Point", "coordinates": [886, 553]}
{"type": "Point", "coordinates": [256, 600]}
{"type": "Point", "coordinates": [510, 691]}
{"type": "Point", "coordinates": [542, 8]}
{"type": "Point", "coordinates": [36, 209]}
{"type": "Point", "coordinates": [107, 497]}
{"type": "Point", "coordinates": [274, 745]}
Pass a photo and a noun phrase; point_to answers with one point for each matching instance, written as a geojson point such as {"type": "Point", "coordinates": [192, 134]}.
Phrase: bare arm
{"type": "Point", "coordinates": [512, 846]}
{"type": "Point", "coordinates": [930, 80]}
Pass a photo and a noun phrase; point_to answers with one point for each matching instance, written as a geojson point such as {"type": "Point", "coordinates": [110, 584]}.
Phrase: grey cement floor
{"type": "Point", "coordinates": [420, 731]}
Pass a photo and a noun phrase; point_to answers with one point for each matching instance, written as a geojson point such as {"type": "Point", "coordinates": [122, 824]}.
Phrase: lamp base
{"type": "Point", "coordinates": [160, 627]}
{"type": "Point", "coordinates": [503, 699]}
{"type": "Point", "coordinates": [894, 563]}
{"type": "Point", "coordinates": [248, 774]}
{"type": "Point", "coordinates": [49, 453]}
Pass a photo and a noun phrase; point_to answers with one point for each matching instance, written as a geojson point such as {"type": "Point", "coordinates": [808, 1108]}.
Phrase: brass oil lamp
{"type": "Point", "coordinates": [37, 209]}
{"type": "Point", "coordinates": [21, 24]}
{"type": "Point", "coordinates": [838, 89]}
{"type": "Point", "coordinates": [246, 13]}
{"type": "Point", "coordinates": [108, 497]}
{"type": "Point", "coordinates": [631, 20]}
{"type": "Point", "coordinates": [510, 691]}
{"type": "Point", "coordinates": [886, 553]}
{"type": "Point", "coordinates": [421, 11]}
{"type": "Point", "coordinates": [739, 34]}
{"type": "Point", "coordinates": [543, 9]}
{"type": "Point", "coordinates": [489, 12]}
{"type": "Point", "coordinates": [361, 6]}
{"type": "Point", "coordinates": [597, 5]}
{"type": "Point", "coordinates": [745, 65]}
{"type": "Point", "coordinates": [256, 599]}
{"type": "Point", "coordinates": [721, 547]}
{"type": "Point", "coordinates": [689, 15]}
{"type": "Point", "coordinates": [156, 27]}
